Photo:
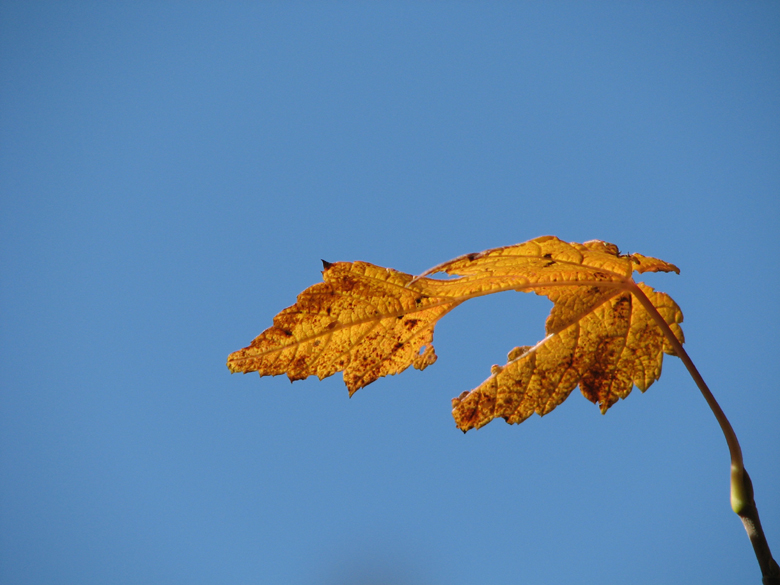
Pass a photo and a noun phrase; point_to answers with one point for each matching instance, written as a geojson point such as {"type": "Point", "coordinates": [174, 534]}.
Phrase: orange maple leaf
{"type": "Point", "coordinates": [367, 321]}
{"type": "Point", "coordinates": [605, 334]}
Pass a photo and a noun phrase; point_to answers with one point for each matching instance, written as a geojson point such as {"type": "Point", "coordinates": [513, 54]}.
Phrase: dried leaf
{"type": "Point", "coordinates": [369, 322]}
{"type": "Point", "coordinates": [364, 320]}
{"type": "Point", "coordinates": [607, 351]}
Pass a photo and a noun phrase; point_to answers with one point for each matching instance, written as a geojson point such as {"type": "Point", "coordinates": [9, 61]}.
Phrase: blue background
{"type": "Point", "coordinates": [171, 175]}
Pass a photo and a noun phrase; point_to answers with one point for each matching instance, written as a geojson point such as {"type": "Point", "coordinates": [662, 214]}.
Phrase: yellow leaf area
{"type": "Point", "coordinates": [368, 322]}
{"type": "Point", "coordinates": [364, 320]}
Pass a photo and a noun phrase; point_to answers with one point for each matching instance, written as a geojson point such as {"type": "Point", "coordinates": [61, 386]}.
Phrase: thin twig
{"type": "Point", "coordinates": [742, 501]}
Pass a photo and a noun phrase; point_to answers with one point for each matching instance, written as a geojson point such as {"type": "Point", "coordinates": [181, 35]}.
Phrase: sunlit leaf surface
{"type": "Point", "coordinates": [367, 321]}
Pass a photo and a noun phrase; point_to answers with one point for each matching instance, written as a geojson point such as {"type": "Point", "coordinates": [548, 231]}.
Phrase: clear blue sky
{"type": "Point", "coordinates": [171, 175]}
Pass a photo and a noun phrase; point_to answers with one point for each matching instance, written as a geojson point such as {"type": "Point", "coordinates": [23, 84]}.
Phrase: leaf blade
{"type": "Point", "coordinates": [362, 320]}
{"type": "Point", "coordinates": [606, 353]}
{"type": "Point", "coordinates": [367, 322]}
